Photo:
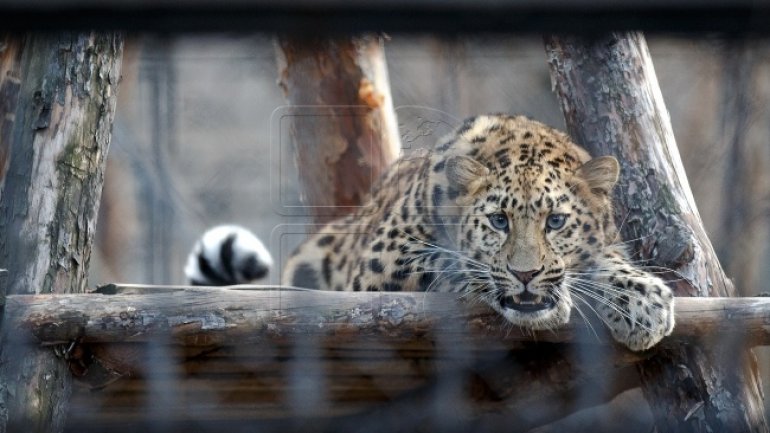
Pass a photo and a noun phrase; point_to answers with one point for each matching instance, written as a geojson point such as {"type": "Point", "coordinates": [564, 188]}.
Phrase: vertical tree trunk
{"type": "Point", "coordinates": [58, 145]}
{"type": "Point", "coordinates": [613, 106]}
{"type": "Point", "coordinates": [342, 121]}
{"type": "Point", "coordinates": [10, 61]}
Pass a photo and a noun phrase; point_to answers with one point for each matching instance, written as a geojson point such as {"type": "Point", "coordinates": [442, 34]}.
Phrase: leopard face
{"type": "Point", "coordinates": [533, 209]}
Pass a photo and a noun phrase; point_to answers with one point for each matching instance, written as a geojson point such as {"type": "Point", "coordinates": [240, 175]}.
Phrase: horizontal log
{"type": "Point", "coordinates": [357, 349]}
{"type": "Point", "coordinates": [221, 316]}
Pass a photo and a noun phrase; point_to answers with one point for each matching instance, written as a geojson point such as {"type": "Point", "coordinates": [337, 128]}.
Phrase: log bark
{"type": "Point", "coordinates": [613, 106]}
{"type": "Point", "coordinates": [374, 346]}
{"type": "Point", "coordinates": [206, 316]}
{"type": "Point", "coordinates": [58, 144]}
{"type": "Point", "coordinates": [343, 127]}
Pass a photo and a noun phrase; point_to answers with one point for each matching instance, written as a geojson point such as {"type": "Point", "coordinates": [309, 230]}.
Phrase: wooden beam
{"type": "Point", "coordinates": [200, 317]}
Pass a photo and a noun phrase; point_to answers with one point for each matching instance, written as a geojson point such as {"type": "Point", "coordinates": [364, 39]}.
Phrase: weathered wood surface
{"type": "Point", "coordinates": [613, 106]}
{"type": "Point", "coordinates": [244, 350]}
{"type": "Point", "coordinates": [57, 142]}
{"type": "Point", "coordinates": [343, 127]}
{"type": "Point", "coordinates": [201, 317]}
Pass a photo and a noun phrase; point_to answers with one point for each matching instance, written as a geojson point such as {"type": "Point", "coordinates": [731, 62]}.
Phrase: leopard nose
{"type": "Point", "coordinates": [525, 276]}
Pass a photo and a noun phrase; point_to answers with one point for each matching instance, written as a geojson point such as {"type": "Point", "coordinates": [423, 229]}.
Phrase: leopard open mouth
{"type": "Point", "coordinates": [527, 302]}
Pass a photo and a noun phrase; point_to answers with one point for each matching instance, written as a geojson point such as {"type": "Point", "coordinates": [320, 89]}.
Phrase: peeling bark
{"type": "Point", "coordinates": [205, 316]}
{"type": "Point", "coordinates": [62, 120]}
{"type": "Point", "coordinates": [343, 126]}
{"type": "Point", "coordinates": [613, 106]}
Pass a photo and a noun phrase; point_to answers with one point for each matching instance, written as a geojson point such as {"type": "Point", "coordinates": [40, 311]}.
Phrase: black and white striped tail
{"type": "Point", "coordinates": [227, 255]}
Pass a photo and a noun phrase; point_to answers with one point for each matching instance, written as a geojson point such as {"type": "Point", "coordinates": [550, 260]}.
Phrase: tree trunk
{"type": "Point", "coordinates": [341, 117]}
{"type": "Point", "coordinates": [58, 145]}
{"type": "Point", "coordinates": [10, 61]}
{"type": "Point", "coordinates": [613, 106]}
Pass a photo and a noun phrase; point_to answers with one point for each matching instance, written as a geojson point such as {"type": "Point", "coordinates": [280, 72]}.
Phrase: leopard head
{"type": "Point", "coordinates": [532, 206]}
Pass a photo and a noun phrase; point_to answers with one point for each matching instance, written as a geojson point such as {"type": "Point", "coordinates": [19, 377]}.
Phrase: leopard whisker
{"type": "Point", "coordinates": [592, 309]}
{"type": "Point", "coordinates": [592, 286]}
{"type": "Point", "coordinates": [603, 301]}
{"type": "Point", "coordinates": [620, 227]}
{"type": "Point", "coordinates": [439, 248]}
{"type": "Point", "coordinates": [603, 273]}
{"type": "Point", "coordinates": [450, 272]}
{"type": "Point", "coordinates": [580, 312]}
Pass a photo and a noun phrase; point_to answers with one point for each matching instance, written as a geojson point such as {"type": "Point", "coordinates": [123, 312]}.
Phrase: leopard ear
{"type": "Point", "coordinates": [465, 174]}
{"type": "Point", "coordinates": [600, 174]}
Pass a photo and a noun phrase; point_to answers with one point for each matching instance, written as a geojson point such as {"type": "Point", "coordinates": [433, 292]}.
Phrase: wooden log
{"type": "Point", "coordinates": [343, 126]}
{"type": "Point", "coordinates": [372, 348]}
{"type": "Point", "coordinates": [495, 378]}
{"type": "Point", "coordinates": [57, 143]}
{"type": "Point", "coordinates": [613, 106]}
{"type": "Point", "coordinates": [201, 317]}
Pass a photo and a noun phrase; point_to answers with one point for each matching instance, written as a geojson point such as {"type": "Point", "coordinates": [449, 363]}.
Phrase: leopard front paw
{"type": "Point", "coordinates": [640, 311]}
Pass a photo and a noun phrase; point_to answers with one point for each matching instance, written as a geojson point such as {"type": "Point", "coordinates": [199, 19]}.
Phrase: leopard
{"type": "Point", "coordinates": [506, 211]}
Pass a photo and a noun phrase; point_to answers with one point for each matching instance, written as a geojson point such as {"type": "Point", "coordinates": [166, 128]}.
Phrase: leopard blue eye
{"type": "Point", "coordinates": [555, 221]}
{"type": "Point", "coordinates": [499, 221]}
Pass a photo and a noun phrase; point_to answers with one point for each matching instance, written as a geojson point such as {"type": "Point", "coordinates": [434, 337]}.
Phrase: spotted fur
{"type": "Point", "coordinates": [506, 211]}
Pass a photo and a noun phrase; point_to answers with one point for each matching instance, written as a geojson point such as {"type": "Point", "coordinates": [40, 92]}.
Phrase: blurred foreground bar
{"type": "Point", "coordinates": [340, 16]}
